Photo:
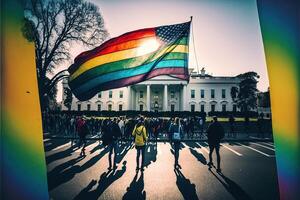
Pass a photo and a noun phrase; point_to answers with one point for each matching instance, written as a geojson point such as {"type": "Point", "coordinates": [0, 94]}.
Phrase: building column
{"type": "Point", "coordinates": [184, 98]}
{"type": "Point", "coordinates": [148, 98]}
{"type": "Point", "coordinates": [129, 98]}
{"type": "Point", "coordinates": [165, 105]}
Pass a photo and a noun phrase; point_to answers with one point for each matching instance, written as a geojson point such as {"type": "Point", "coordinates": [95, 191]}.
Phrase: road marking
{"type": "Point", "coordinates": [94, 136]}
{"type": "Point", "coordinates": [270, 144]}
{"type": "Point", "coordinates": [199, 151]}
{"type": "Point", "coordinates": [237, 153]}
{"type": "Point", "coordinates": [202, 147]}
{"type": "Point", "coordinates": [263, 146]}
{"type": "Point", "coordinates": [45, 140]}
{"type": "Point", "coordinates": [148, 150]}
{"type": "Point", "coordinates": [255, 150]}
{"type": "Point", "coordinates": [47, 144]}
{"type": "Point", "coordinates": [61, 146]}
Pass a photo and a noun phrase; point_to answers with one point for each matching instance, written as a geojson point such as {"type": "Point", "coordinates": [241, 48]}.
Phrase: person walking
{"type": "Point", "coordinates": [176, 134]}
{"type": "Point", "coordinates": [215, 133]}
{"type": "Point", "coordinates": [83, 131]}
{"type": "Point", "coordinates": [109, 140]}
{"type": "Point", "coordinates": [122, 127]}
{"type": "Point", "coordinates": [140, 138]}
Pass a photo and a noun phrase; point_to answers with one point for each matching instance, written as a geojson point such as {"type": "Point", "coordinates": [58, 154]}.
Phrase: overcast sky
{"type": "Point", "coordinates": [226, 33]}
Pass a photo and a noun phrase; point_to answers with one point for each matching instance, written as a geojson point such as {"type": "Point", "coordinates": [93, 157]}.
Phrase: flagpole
{"type": "Point", "coordinates": [194, 44]}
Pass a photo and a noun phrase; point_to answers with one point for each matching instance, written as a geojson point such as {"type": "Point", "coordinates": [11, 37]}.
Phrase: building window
{"type": "Point", "coordinates": [141, 94]}
{"type": "Point", "coordinates": [234, 108]}
{"type": "Point", "coordinates": [192, 94]}
{"type": "Point", "coordinates": [89, 107]}
{"type": "Point", "coordinates": [141, 107]}
{"type": "Point", "coordinates": [110, 94]}
{"type": "Point", "coordinates": [202, 93]}
{"type": "Point", "coordinates": [99, 94]}
{"type": "Point", "coordinates": [223, 108]}
{"type": "Point", "coordinates": [99, 107]}
{"type": "Point", "coordinates": [202, 108]}
{"type": "Point", "coordinates": [109, 107]}
{"type": "Point", "coordinates": [79, 107]}
{"type": "Point", "coordinates": [212, 93]}
{"type": "Point", "coordinates": [192, 108]}
{"type": "Point", "coordinates": [121, 94]}
{"type": "Point", "coordinates": [172, 94]}
{"type": "Point", "coordinates": [120, 107]}
{"type": "Point", "coordinates": [213, 108]}
{"type": "Point", "coordinates": [223, 93]}
{"type": "Point", "coordinates": [172, 107]}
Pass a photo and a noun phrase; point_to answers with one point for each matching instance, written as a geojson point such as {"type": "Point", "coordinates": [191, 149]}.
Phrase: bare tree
{"type": "Point", "coordinates": [54, 26]}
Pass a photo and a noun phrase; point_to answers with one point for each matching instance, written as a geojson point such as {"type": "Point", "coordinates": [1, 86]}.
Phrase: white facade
{"type": "Point", "coordinates": [164, 93]}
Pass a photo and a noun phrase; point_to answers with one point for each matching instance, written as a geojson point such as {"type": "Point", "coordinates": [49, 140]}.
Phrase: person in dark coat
{"type": "Point", "coordinates": [111, 132]}
{"type": "Point", "coordinates": [83, 131]}
{"type": "Point", "coordinates": [215, 133]}
{"type": "Point", "coordinates": [116, 134]}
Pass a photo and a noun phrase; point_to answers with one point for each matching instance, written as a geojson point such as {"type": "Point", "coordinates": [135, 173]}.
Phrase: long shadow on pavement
{"type": "Point", "coordinates": [63, 154]}
{"type": "Point", "coordinates": [99, 146]}
{"type": "Point", "coordinates": [54, 143]}
{"type": "Point", "coordinates": [199, 156]}
{"type": "Point", "coordinates": [233, 188]}
{"type": "Point", "coordinates": [122, 150]}
{"type": "Point", "coordinates": [136, 189]}
{"type": "Point", "coordinates": [106, 179]}
{"type": "Point", "coordinates": [187, 189]}
{"type": "Point", "coordinates": [58, 176]}
{"type": "Point", "coordinates": [59, 155]}
{"type": "Point", "coordinates": [192, 145]}
{"type": "Point", "coordinates": [150, 153]}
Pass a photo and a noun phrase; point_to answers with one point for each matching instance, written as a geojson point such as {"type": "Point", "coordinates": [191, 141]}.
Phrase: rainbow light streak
{"type": "Point", "coordinates": [280, 30]}
{"type": "Point", "coordinates": [23, 158]}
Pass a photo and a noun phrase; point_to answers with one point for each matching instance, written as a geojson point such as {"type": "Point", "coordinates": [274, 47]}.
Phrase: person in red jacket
{"type": "Point", "coordinates": [82, 130]}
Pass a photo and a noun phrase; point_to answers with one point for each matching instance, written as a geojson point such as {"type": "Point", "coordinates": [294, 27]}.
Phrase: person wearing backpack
{"type": "Point", "coordinates": [140, 139]}
{"type": "Point", "coordinates": [176, 134]}
{"type": "Point", "coordinates": [215, 133]}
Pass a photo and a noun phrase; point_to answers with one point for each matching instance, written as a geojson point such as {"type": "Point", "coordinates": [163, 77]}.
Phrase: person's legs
{"type": "Point", "coordinates": [110, 146]}
{"type": "Point", "coordinates": [176, 153]}
{"type": "Point", "coordinates": [218, 156]}
{"type": "Point", "coordinates": [211, 150]}
{"type": "Point", "coordinates": [143, 156]}
{"type": "Point", "coordinates": [115, 154]}
{"type": "Point", "coordinates": [84, 145]}
{"type": "Point", "coordinates": [138, 152]}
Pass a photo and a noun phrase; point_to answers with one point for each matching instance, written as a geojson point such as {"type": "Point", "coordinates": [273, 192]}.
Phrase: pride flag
{"type": "Point", "coordinates": [131, 58]}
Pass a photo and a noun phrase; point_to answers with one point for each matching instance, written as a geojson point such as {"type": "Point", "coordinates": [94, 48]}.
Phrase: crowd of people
{"type": "Point", "coordinates": [64, 124]}
{"type": "Point", "coordinates": [114, 129]}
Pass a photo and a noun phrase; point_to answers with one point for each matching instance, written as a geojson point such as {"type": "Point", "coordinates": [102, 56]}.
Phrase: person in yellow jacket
{"type": "Point", "coordinates": [140, 138]}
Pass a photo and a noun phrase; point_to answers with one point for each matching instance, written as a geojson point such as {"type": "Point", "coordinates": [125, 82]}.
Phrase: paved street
{"type": "Point", "coordinates": [248, 172]}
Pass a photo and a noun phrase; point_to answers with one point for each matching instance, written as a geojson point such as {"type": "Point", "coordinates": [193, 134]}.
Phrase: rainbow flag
{"type": "Point", "coordinates": [131, 58]}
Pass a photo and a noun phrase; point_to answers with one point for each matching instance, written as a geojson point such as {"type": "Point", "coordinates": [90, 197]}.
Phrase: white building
{"type": "Point", "coordinates": [163, 93]}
